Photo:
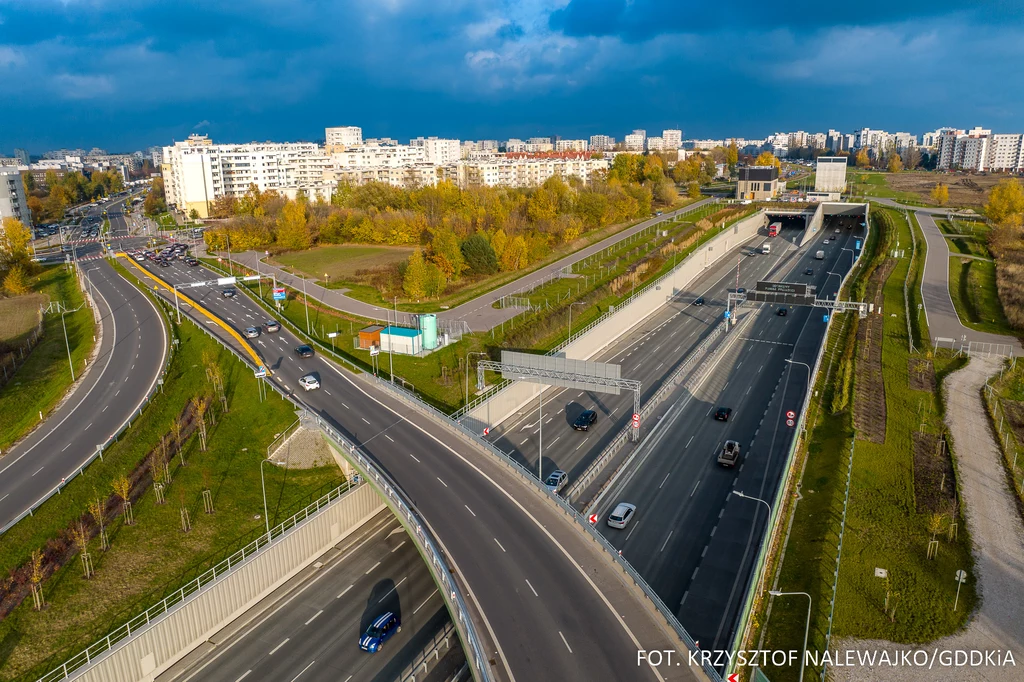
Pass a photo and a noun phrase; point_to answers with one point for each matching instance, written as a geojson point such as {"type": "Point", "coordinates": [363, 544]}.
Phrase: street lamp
{"type": "Point", "coordinates": [263, 485]}
{"type": "Point", "coordinates": [570, 318]}
{"type": "Point", "coordinates": [540, 431]}
{"type": "Point", "coordinates": [739, 493]}
{"type": "Point", "coordinates": [67, 345]}
{"type": "Point", "coordinates": [853, 256]}
{"type": "Point", "coordinates": [807, 628]}
{"type": "Point", "coordinates": [472, 352]}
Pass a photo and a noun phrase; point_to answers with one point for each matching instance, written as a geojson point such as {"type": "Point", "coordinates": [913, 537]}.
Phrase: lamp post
{"type": "Point", "coordinates": [305, 300]}
{"type": "Point", "coordinates": [853, 256]}
{"type": "Point", "coordinates": [570, 318]}
{"type": "Point", "coordinates": [67, 345]}
{"type": "Point", "coordinates": [808, 367]}
{"type": "Point", "coordinates": [540, 430]}
{"type": "Point", "coordinates": [472, 352]}
{"type": "Point", "coordinates": [739, 493]}
{"type": "Point", "coordinates": [263, 485]}
{"type": "Point", "coordinates": [807, 628]}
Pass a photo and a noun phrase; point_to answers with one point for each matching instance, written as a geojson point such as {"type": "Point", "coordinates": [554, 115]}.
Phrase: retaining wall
{"type": "Point", "coordinates": [168, 638]}
{"type": "Point", "coordinates": [512, 398]}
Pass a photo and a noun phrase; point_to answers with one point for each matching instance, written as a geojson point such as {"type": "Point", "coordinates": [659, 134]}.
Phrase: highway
{"type": "Point", "coordinates": [649, 353]}
{"type": "Point", "coordinates": [129, 359]}
{"type": "Point", "coordinates": [310, 626]}
{"type": "Point", "coordinates": [692, 540]}
{"type": "Point", "coordinates": [518, 558]}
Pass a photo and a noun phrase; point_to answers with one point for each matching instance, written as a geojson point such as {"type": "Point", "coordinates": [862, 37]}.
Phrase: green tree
{"type": "Point", "coordinates": [693, 190]}
{"type": "Point", "coordinates": [414, 283]}
{"type": "Point", "coordinates": [664, 191]}
{"type": "Point", "coordinates": [1005, 205]}
{"type": "Point", "coordinates": [940, 194]}
{"type": "Point", "coordinates": [193, 214]}
{"type": "Point", "coordinates": [293, 231]}
{"type": "Point", "coordinates": [767, 159]}
{"type": "Point", "coordinates": [446, 254]}
{"type": "Point", "coordinates": [29, 181]}
{"type": "Point", "coordinates": [479, 255]}
{"type": "Point", "coordinates": [434, 280]}
{"type": "Point", "coordinates": [895, 164]}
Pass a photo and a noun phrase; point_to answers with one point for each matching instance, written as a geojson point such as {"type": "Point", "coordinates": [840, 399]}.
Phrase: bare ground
{"type": "Point", "coordinates": [869, 399]}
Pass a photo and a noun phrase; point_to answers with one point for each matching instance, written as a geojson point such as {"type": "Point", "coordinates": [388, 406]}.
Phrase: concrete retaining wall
{"type": "Point", "coordinates": [512, 398]}
{"type": "Point", "coordinates": [168, 638]}
{"type": "Point", "coordinates": [813, 225]}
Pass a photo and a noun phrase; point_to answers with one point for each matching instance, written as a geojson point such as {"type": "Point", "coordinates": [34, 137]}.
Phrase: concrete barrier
{"type": "Point", "coordinates": [158, 644]}
{"type": "Point", "coordinates": [813, 225]}
{"type": "Point", "coordinates": [513, 397]}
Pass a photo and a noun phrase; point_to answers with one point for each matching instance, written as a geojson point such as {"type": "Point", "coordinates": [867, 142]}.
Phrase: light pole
{"type": "Point", "coordinates": [797, 362]}
{"type": "Point", "coordinates": [67, 345]}
{"type": "Point", "coordinates": [306, 302]}
{"type": "Point", "coordinates": [472, 352]}
{"type": "Point", "coordinates": [807, 628]}
{"type": "Point", "coordinates": [391, 345]}
{"type": "Point", "coordinates": [853, 256]}
{"type": "Point", "coordinates": [570, 318]}
{"type": "Point", "coordinates": [263, 485]}
{"type": "Point", "coordinates": [177, 310]}
{"type": "Point", "coordinates": [739, 493]}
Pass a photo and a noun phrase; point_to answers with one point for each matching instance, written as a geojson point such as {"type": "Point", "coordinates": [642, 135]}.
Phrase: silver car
{"type": "Point", "coordinates": [252, 332]}
{"type": "Point", "coordinates": [556, 480]}
{"type": "Point", "coordinates": [621, 515]}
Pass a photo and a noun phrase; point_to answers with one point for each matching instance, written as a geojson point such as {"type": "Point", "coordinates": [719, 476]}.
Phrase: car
{"type": "Point", "coordinates": [583, 422]}
{"type": "Point", "coordinates": [741, 290]}
{"type": "Point", "coordinates": [140, 257]}
{"type": "Point", "coordinates": [837, 230]}
{"type": "Point", "coordinates": [164, 263]}
{"type": "Point", "coordinates": [191, 262]}
{"type": "Point", "coordinates": [304, 351]}
{"type": "Point", "coordinates": [228, 293]}
{"type": "Point", "coordinates": [252, 332]}
{"type": "Point", "coordinates": [781, 312]}
{"type": "Point", "coordinates": [825, 242]}
{"type": "Point", "coordinates": [699, 301]}
{"type": "Point", "coordinates": [556, 480]}
{"type": "Point", "coordinates": [722, 414]}
{"type": "Point", "coordinates": [621, 515]}
{"type": "Point", "coordinates": [809, 271]}
{"type": "Point", "coordinates": [272, 326]}
{"type": "Point", "coordinates": [380, 631]}
{"type": "Point", "coordinates": [309, 382]}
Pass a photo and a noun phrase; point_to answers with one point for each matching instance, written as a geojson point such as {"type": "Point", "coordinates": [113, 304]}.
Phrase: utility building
{"type": "Point", "coordinates": [757, 183]}
{"type": "Point", "coordinates": [830, 176]}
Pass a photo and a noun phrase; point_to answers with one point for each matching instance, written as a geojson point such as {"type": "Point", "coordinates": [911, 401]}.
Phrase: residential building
{"type": "Point", "coordinates": [703, 144]}
{"type": "Point", "coordinates": [757, 183]}
{"type": "Point", "coordinates": [375, 155]}
{"type": "Point", "coordinates": [673, 138]}
{"type": "Point", "coordinates": [600, 143]}
{"type": "Point", "coordinates": [22, 156]}
{"type": "Point", "coordinates": [381, 141]}
{"type": "Point", "coordinates": [817, 140]}
{"type": "Point", "coordinates": [1006, 153]}
{"type": "Point", "coordinates": [514, 170]}
{"type": "Point", "coordinates": [830, 176]}
{"type": "Point", "coordinates": [930, 139]}
{"type": "Point", "coordinates": [439, 151]}
{"type": "Point", "coordinates": [541, 146]}
{"type": "Point", "coordinates": [344, 136]}
{"type": "Point", "coordinates": [12, 196]}
{"type": "Point", "coordinates": [540, 141]}
{"type": "Point", "coordinates": [571, 146]}
{"type": "Point", "coordinates": [903, 141]}
{"type": "Point", "coordinates": [515, 145]}
{"type": "Point", "coordinates": [410, 177]}
{"type": "Point", "coordinates": [634, 142]}
{"type": "Point", "coordinates": [655, 144]}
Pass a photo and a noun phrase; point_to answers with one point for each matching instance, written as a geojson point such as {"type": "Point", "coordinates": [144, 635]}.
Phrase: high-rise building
{"type": "Point", "coordinates": [22, 156]}
{"type": "Point", "coordinates": [673, 138]}
{"type": "Point", "coordinates": [514, 145]}
{"type": "Point", "coordinates": [571, 146]}
{"type": "Point", "coordinates": [635, 141]}
{"type": "Point", "coordinates": [12, 196]}
{"type": "Point", "coordinates": [346, 136]}
{"type": "Point", "coordinates": [600, 143]}
{"type": "Point", "coordinates": [438, 150]}
{"type": "Point", "coordinates": [655, 144]}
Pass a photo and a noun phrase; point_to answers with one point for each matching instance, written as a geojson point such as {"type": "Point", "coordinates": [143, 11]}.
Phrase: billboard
{"type": "Point", "coordinates": [559, 371]}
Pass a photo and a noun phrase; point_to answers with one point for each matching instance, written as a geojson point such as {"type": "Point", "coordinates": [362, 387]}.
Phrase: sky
{"type": "Point", "coordinates": [125, 75]}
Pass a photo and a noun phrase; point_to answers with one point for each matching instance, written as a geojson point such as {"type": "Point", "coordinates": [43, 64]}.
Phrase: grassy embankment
{"type": "Point", "coordinates": [44, 378]}
{"type": "Point", "coordinates": [888, 522]}
{"type": "Point", "coordinates": [153, 557]}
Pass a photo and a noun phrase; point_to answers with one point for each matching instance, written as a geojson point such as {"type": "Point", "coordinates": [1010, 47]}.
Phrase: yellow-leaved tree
{"type": "Point", "coordinates": [940, 194]}
{"type": "Point", "coordinates": [767, 159]}
{"type": "Point", "coordinates": [1005, 205]}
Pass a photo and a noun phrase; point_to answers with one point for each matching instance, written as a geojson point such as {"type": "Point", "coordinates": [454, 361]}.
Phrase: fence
{"type": "Point", "coordinates": [107, 443]}
{"type": "Point", "coordinates": [421, 665]}
{"type": "Point", "coordinates": [11, 360]}
{"type": "Point", "coordinates": [1007, 437]}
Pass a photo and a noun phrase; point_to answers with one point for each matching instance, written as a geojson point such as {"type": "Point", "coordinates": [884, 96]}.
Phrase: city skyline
{"type": "Point", "coordinates": [97, 76]}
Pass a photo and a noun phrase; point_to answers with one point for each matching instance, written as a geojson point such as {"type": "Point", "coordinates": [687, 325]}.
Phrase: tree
{"type": "Point", "coordinates": [14, 241]}
{"type": "Point", "coordinates": [16, 283]}
{"type": "Point", "coordinates": [862, 160]}
{"type": "Point", "coordinates": [479, 255]}
{"type": "Point", "coordinates": [415, 279]}
{"type": "Point", "coordinates": [911, 158]}
{"type": "Point", "coordinates": [516, 255]}
{"type": "Point", "coordinates": [446, 254]}
{"type": "Point", "coordinates": [895, 164]}
{"type": "Point", "coordinates": [293, 231]}
{"type": "Point", "coordinates": [940, 194]}
{"type": "Point", "coordinates": [767, 159]}
{"type": "Point", "coordinates": [732, 155]}
{"type": "Point", "coordinates": [1005, 205]}
{"type": "Point", "coordinates": [193, 214]}
{"type": "Point", "coordinates": [693, 190]}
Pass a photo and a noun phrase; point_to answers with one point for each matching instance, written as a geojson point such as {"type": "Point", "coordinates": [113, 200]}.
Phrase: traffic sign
{"type": "Point", "coordinates": [280, 294]}
{"type": "Point", "coordinates": [636, 420]}
{"type": "Point", "coordinates": [331, 335]}
{"type": "Point", "coordinates": [790, 414]}
{"type": "Point", "coordinates": [592, 518]}
{"type": "Point", "coordinates": [790, 422]}
{"type": "Point", "coordinates": [824, 318]}
{"type": "Point", "coordinates": [374, 350]}
{"type": "Point", "coordinates": [487, 430]}
{"type": "Point", "coordinates": [261, 372]}
{"type": "Point", "coordinates": [728, 314]}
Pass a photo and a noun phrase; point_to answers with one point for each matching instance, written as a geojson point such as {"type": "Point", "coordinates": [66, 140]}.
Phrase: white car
{"type": "Point", "coordinates": [825, 242]}
{"type": "Point", "coordinates": [140, 257]}
{"type": "Point", "coordinates": [621, 515]}
{"type": "Point", "coordinates": [309, 382]}
{"type": "Point", "coordinates": [837, 230]}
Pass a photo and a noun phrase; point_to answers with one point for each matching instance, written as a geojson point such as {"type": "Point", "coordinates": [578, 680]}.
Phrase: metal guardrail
{"type": "Point", "coordinates": [439, 645]}
{"type": "Point", "coordinates": [106, 444]}
{"type": "Point", "coordinates": [89, 654]}
{"type": "Point", "coordinates": [581, 521]}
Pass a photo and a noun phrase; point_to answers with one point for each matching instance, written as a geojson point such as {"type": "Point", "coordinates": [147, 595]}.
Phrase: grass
{"type": "Point", "coordinates": [972, 286]}
{"type": "Point", "coordinates": [18, 317]}
{"type": "Point", "coordinates": [44, 378]}
{"type": "Point", "coordinates": [166, 220]}
{"type": "Point", "coordinates": [883, 529]}
{"type": "Point", "coordinates": [153, 557]}
{"type": "Point", "coordinates": [918, 322]}
{"type": "Point", "coordinates": [340, 262]}
{"type": "Point", "coordinates": [1004, 402]}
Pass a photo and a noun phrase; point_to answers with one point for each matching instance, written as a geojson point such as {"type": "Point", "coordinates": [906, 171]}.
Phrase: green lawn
{"type": "Point", "coordinates": [883, 527]}
{"type": "Point", "coordinates": [341, 261]}
{"type": "Point", "coordinates": [150, 559]}
{"type": "Point", "coordinates": [18, 317]}
{"type": "Point", "coordinates": [43, 379]}
{"type": "Point", "coordinates": [918, 321]}
{"type": "Point", "coordinates": [166, 220]}
{"type": "Point", "coordinates": [972, 286]}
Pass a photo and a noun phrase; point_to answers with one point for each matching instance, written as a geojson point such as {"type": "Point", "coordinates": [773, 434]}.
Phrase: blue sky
{"type": "Point", "coordinates": [122, 75]}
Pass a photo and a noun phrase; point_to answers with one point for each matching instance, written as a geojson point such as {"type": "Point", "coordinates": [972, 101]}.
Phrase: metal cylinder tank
{"type": "Point", "coordinates": [428, 325]}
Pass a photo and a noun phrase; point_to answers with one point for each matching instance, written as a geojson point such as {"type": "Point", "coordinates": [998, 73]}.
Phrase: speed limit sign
{"type": "Point", "coordinates": [790, 422]}
{"type": "Point", "coordinates": [790, 414]}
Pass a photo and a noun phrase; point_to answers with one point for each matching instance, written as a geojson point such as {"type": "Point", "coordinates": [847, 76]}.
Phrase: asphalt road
{"type": "Point", "coordinates": [650, 354]}
{"type": "Point", "coordinates": [520, 561]}
{"type": "Point", "coordinates": [130, 357]}
{"type": "Point", "coordinates": [310, 626]}
{"type": "Point", "coordinates": [692, 541]}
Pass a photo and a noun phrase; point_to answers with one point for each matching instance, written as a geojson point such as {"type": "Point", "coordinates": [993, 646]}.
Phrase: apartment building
{"type": "Point", "coordinates": [655, 144]}
{"type": "Point", "coordinates": [571, 146]}
{"type": "Point", "coordinates": [375, 155]}
{"type": "Point", "coordinates": [600, 143]}
{"type": "Point", "coordinates": [515, 146]}
{"type": "Point", "coordinates": [412, 176]}
{"type": "Point", "coordinates": [439, 151]}
{"type": "Point", "coordinates": [12, 196]}
{"type": "Point", "coordinates": [343, 136]}
{"type": "Point", "coordinates": [1006, 153]}
{"type": "Point", "coordinates": [673, 138]}
{"type": "Point", "coordinates": [517, 171]}
{"type": "Point", "coordinates": [539, 145]}
{"type": "Point", "coordinates": [635, 141]}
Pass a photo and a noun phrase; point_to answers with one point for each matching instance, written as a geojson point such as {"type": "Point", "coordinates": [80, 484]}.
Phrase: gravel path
{"type": "Point", "coordinates": [998, 536]}
{"type": "Point", "coordinates": [304, 449]}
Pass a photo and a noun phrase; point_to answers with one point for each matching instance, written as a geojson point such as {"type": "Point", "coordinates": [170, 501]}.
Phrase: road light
{"type": "Point", "coordinates": [807, 628]}
{"type": "Point", "coordinates": [472, 352]}
{"type": "Point", "coordinates": [570, 318]}
{"type": "Point", "coordinates": [739, 493]}
{"type": "Point", "coordinates": [263, 485]}
{"type": "Point", "coordinates": [853, 256]}
{"type": "Point", "coordinates": [540, 430]}
{"type": "Point", "coordinates": [67, 345]}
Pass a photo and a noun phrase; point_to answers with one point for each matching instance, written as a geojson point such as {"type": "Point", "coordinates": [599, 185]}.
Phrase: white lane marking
{"type": "Point", "coordinates": [87, 427]}
{"type": "Point", "coordinates": [244, 675]}
{"type": "Point", "coordinates": [695, 489]}
{"type": "Point", "coordinates": [565, 642]}
{"type": "Point", "coordinates": [414, 457]}
{"type": "Point", "coordinates": [422, 604]}
{"type": "Point", "coordinates": [345, 406]}
{"type": "Point", "coordinates": [388, 593]}
{"type": "Point", "coordinates": [528, 584]}
{"type": "Point", "coordinates": [442, 482]}
{"type": "Point", "coordinates": [286, 640]}
{"type": "Point", "coordinates": [314, 616]}
{"type": "Point", "coordinates": [39, 469]}
{"type": "Point", "coordinates": [398, 546]}
{"type": "Point", "coordinates": [65, 447]}
{"type": "Point", "coordinates": [370, 570]}
{"type": "Point", "coordinates": [582, 442]}
{"type": "Point", "coordinates": [342, 593]}
{"type": "Point", "coordinates": [554, 441]}
{"type": "Point", "coordinates": [663, 482]}
{"type": "Point", "coordinates": [704, 552]}
{"type": "Point", "coordinates": [304, 670]}
{"type": "Point", "coordinates": [469, 510]}
{"type": "Point", "coordinates": [104, 408]}
{"type": "Point", "coordinates": [665, 544]}
{"type": "Point", "coordinates": [689, 441]}
{"type": "Point", "coordinates": [499, 544]}
{"type": "Point", "coordinates": [389, 438]}
{"type": "Point", "coordinates": [364, 419]}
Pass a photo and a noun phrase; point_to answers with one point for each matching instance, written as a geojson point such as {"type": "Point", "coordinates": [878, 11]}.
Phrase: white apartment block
{"type": "Point", "coordinates": [817, 140]}
{"type": "Point", "coordinates": [526, 172]}
{"type": "Point", "coordinates": [703, 144]}
{"type": "Point", "coordinates": [634, 142]}
{"type": "Point", "coordinates": [655, 144]}
{"type": "Point", "coordinates": [904, 141]}
{"type": "Point", "coordinates": [571, 146]}
{"type": "Point", "coordinates": [410, 177]}
{"type": "Point", "coordinates": [344, 136]}
{"type": "Point", "coordinates": [1006, 152]}
{"type": "Point", "coordinates": [12, 196]}
{"type": "Point", "coordinates": [439, 151]}
{"type": "Point", "coordinates": [539, 140]}
{"type": "Point", "coordinates": [599, 143]}
{"type": "Point", "coordinates": [673, 138]}
{"type": "Point", "coordinates": [979, 150]}
{"type": "Point", "coordinates": [371, 155]}
{"type": "Point", "coordinates": [541, 146]}
{"type": "Point", "coordinates": [515, 145]}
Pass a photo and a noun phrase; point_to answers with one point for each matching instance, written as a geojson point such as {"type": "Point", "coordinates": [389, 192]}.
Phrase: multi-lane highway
{"type": "Point", "coordinates": [690, 539]}
{"type": "Point", "coordinates": [128, 362]}
{"type": "Point", "coordinates": [542, 614]}
{"type": "Point", "coordinates": [310, 627]}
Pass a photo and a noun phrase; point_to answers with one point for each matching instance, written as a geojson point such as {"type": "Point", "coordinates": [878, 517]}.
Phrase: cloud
{"type": "Point", "coordinates": [81, 86]}
{"type": "Point", "coordinates": [202, 124]}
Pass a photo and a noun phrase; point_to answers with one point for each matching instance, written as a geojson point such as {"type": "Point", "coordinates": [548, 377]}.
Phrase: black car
{"type": "Point", "coordinates": [584, 421]}
{"type": "Point", "coordinates": [699, 301]}
{"type": "Point", "coordinates": [782, 312]}
{"type": "Point", "coordinates": [809, 271]}
{"type": "Point", "coordinates": [191, 262]}
{"type": "Point", "coordinates": [304, 351]}
{"type": "Point", "coordinates": [228, 293]}
{"type": "Point", "coordinates": [741, 290]}
{"type": "Point", "coordinates": [164, 263]}
{"type": "Point", "coordinates": [722, 414]}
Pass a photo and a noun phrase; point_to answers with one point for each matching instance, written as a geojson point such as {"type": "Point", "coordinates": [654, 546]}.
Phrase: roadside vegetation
{"type": "Point", "coordinates": [972, 286]}
{"type": "Point", "coordinates": [1004, 399]}
{"type": "Point", "coordinates": [49, 199]}
{"type": "Point", "coordinates": [190, 468]}
{"type": "Point", "coordinates": [904, 514]}
{"type": "Point", "coordinates": [1006, 211]}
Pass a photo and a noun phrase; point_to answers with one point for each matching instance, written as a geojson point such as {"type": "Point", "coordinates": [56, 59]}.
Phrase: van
{"type": "Point", "coordinates": [766, 249]}
{"type": "Point", "coordinates": [819, 255]}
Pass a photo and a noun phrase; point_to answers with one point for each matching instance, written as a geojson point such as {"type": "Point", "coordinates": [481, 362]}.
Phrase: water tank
{"type": "Point", "coordinates": [428, 325]}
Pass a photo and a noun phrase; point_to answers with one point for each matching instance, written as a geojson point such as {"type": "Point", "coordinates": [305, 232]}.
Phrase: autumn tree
{"type": "Point", "coordinates": [414, 280]}
{"type": "Point", "coordinates": [693, 190]}
{"type": "Point", "coordinates": [16, 281]}
{"type": "Point", "coordinates": [895, 163]}
{"type": "Point", "coordinates": [940, 194]}
{"type": "Point", "coordinates": [123, 489]}
{"type": "Point", "coordinates": [732, 155]}
{"type": "Point", "coordinates": [1005, 205]}
{"type": "Point", "coordinates": [767, 159]}
{"type": "Point", "coordinates": [516, 255]}
{"type": "Point", "coordinates": [446, 254]}
{"type": "Point", "coordinates": [200, 404]}
{"type": "Point", "coordinates": [293, 228]}
{"type": "Point", "coordinates": [96, 511]}
{"type": "Point", "coordinates": [15, 238]}
{"type": "Point", "coordinates": [862, 160]}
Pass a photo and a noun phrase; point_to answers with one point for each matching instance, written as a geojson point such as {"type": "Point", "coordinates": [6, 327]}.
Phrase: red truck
{"type": "Point", "coordinates": [773, 229]}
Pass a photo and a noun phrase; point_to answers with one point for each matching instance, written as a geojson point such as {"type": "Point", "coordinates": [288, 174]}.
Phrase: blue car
{"type": "Point", "coordinates": [379, 632]}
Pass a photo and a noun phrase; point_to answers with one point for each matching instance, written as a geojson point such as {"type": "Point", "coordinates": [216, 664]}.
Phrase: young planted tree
{"type": "Point", "coordinates": [36, 580]}
{"type": "Point", "coordinates": [81, 540]}
{"type": "Point", "coordinates": [123, 489]}
{"type": "Point", "coordinates": [158, 468]}
{"type": "Point", "coordinates": [934, 526]}
{"type": "Point", "coordinates": [199, 406]}
{"type": "Point", "coordinates": [96, 511]}
{"type": "Point", "coordinates": [186, 521]}
{"type": "Point", "coordinates": [215, 376]}
{"type": "Point", "coordinates": [177, 426]}
{"type": "Point", "coordinates": [207, 492]}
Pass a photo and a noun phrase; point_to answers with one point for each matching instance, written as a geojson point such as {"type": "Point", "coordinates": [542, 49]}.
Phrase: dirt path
{"type": "Point", "coordinates": [998, 550]}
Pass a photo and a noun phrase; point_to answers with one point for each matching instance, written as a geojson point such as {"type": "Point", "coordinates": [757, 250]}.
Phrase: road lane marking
{"type": "Point", "coordinates": [65, 447]}
{"type": "Point", "coordinates": [364, 419]}
{"type": "Point", "coordinates": [665, 544]}
{"type": "Point", "coordinates": [244, 675]}
{"type": "Point", "coordinates": [39, 469]}
{"type": "Point", "coordinates": [304, 670]}
{"type": "Point", "coordinates": [104, 408]}
{"type": "Point", "coordinates": [689, 441]}
{"type": "Point", "coordinates": [528, 584]}
{"type": "Point", "coordinates": [704, 552]}
{"type": "Point", "coordinates": [582, 443]}
{"type": "Point", "coordinates": [342, 593]}
{"type": "Point", "coordinates": [286, 640]}
{"type": "Point", "coordinates": [398, 546]}
{"type": "Point", "coordinates": [442, 482]}
{"type": "Point", "coordinates": [87, 427]}
{"type": "Point", "coordinates": [388, 593]}
{"type": "Point", "coordinates": [499, 544]}
{"type": "Point", "coordinates": [694, 488]}
{"type": "Point", "coordinates": [565, 642]}
{"type": "Point", "coordinates": [370, 570]}
{"type": "Point", "coordinates": [422, 604]}
{"type": "Point", "coordinates": [314, 616]}
{"type": "Point", "coordinates": [414, 457]}
{"type": "Point", "coordinates": [666, 478]}
{"type": "Point", "coordinates": [389, 438]}
{"type": "Point", "coordinates": [345, 406]}
{"type": "Point", "coordinates": [468, 509]}
{"type": "Point", "coordinates": [554, 441]}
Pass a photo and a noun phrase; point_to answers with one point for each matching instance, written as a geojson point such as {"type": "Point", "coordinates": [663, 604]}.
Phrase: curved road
{"type": "Point", "coordinates": [130, 357]}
